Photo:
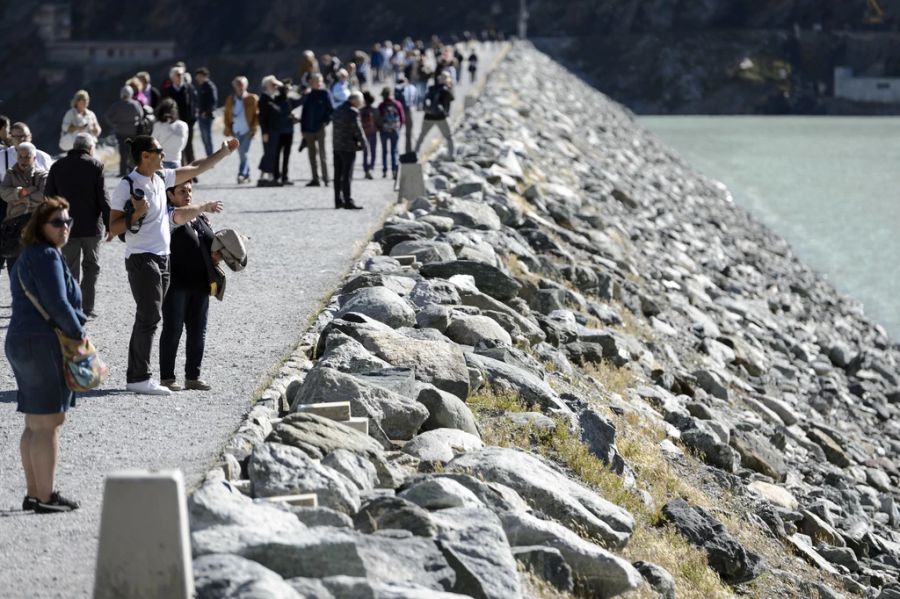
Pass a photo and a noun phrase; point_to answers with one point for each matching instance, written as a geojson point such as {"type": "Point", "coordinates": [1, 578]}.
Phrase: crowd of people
{"type": "Point", "coordinates": [53, 214]}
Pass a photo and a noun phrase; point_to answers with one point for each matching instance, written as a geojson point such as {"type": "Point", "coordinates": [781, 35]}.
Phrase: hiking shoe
{"type": "Point", "coordinates": [338, 204]}
{"type": "Point", "coordinates": [171, 384]}
{"type": "Point", "coordinates": [57, 504]}
{"type": "Point", "coordinates": [384, 174]}
{"type": "Point", "coordinates": [369, 175]}
{"type": "Point", "coordinates": [313, 183]}
{"type": "Point", "coordinates": [325, 182]}
{"type": "Point", "coordinates": [287, 182]}
{"type": "Point", "coordinates": [196, 385]}
{"type": "Point", "coordinates": [350, 205]}
{"type": "Point", "coordinates": [148, 387]}
{"type": "Point", "coordinates": [29, 503]}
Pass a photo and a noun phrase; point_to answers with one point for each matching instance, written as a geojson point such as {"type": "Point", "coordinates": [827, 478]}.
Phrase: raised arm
{"type": "Point", "coordinates": [198, 167]}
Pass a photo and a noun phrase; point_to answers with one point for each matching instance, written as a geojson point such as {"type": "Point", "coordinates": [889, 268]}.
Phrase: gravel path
{"type": "Point", "coordinates": [299, 249]}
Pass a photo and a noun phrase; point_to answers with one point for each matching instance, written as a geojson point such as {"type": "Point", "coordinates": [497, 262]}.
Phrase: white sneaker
{"type": "Point", "coordinates": [148, 387]}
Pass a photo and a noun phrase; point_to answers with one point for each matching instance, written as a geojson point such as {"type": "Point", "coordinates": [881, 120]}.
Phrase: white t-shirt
{"type": "Point", "coordinates": [154, 235]}
{"type": "Point", "coordinates": [172, 137]}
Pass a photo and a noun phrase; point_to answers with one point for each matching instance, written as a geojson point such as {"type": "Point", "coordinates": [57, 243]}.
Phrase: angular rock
{"type": "Point", "coordinates": [310, 588]}
{"type": "Point", "coordinates": [354, 467]}
{"type": "Point", "coordinates": [774, 494]}
{"type": "Point", "coordinates": [317, 436]}
{"type": "Point", "coordinates": [384, 513]}
{"type": "Point", "coordinates": [802, 547]}
{"type": "Point", "coordinates": [833, 451]}
{"type": "Point", "coordinates": [437, 493]}
{"type": "Point", "coordinates": [346, 354]}
{"type": "Point", "coordinates": [470, 329]}
{"type": "Point", "coordinates": [472, 215]}
{"type": "Point", "coordinates": [711, 383]}
{"type": "Point", "coordinates": [500, 498]}
{"type": "Point", "coordinates": [473, 541]}
{"type": "Point", "coordinates": [398, 416]}
{"type": "Point", "coordinates": [725, 555]}
{"type": "Point", "coordinates": [218, 503]}
{"type": "Point", "coordinates": [442, 445]}
{"type": "Point", "coordinates": [710, 446]}
{"type": "Point", "coordinates": [546, 489]}
{"type": "Point", "coordinates": [425, 251]}
{"type": "Point", "coordinates": [321, 516]}
{"type": "Point", "coordinates": [433, 316]}
{"type": "Point", "coordinates": [758, 454]}
{"type": "Point", "coordinates": [532, 390]}
{"type": "Point", "coordinates": [489, 279]}
{"type": "Point", "coordinates": [658, 578]}
{"type": "Point", "coordinates": [352, 587]}
{"type": "Point", "coordinates": [548, 564]}
{"type": "Point", "coordinates": [231, 577]}
{"type": "Point", "coordinates": [277, 469]}
{"type": "Point", "coordinates": [445, 410]}
{"type": "Point", "coordinates": [381, 304]}
{"type": "Point", "coordinates": [598, 571]}
{"type": "Point", "coordinates": [434, 291]}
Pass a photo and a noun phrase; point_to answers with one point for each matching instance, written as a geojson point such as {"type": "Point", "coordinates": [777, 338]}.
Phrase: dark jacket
{"type": "Point", "coordinates": [347, 133]}
{"type": "Point", "coordinates": [45, 274]}
{"type": "Point", "coordinates": [269, 114]}
{"type": "Point", "coordinates": [444, 97]}
{"type": "Point", "coordinates": [190, 257]}
{"type": "Point", "coordinates": [124, 116]}
{"type": "Point", "coordinates": [317, 111]}
{"type": "Point", "coordinates": [78, 177]}
{"type": "Point", "coordinates": [207, 99]}
{"type": "Point", "coordinates": [186, 99]}
{"type": "Point", "coordinates": [153, 96]}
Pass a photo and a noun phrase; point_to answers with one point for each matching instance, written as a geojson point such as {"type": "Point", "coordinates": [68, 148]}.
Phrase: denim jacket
{"type": "Point", "coordinates": [47, 277]}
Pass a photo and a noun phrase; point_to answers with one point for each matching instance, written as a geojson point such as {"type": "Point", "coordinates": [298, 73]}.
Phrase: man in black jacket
{"type": "Point", "coordinates": [348, 139]}
{"type": "Point", "coordinates": [185, 96]}
{"type": "Point", "coordinates": [207, 101]}
{"type": "Point", "coordinates": [437, 110]}
{"type": "Point", "coordinates": [79, 178]}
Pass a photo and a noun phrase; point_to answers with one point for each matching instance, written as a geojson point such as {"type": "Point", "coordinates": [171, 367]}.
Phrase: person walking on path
{"type": "Point", "coordinates": [150, 92]}
{"type": "Point", "coordinates": [78, 177]}
{"type": "Point", "coordinates": [286, 102]}
{"type": "Point", "coordinates": [241, 122]}
{"type": "Point", "coordinates": [368, 117]}
{"type": "Point", "coordinates": [124, 116]}
{"type": "Point", "coordinates": [437, 109]}
{"type": "Point", "coordinates": [185, 95]}
{"type": "Point", "coordinates": [269, 125]}
{"type": "Point", "coordinates": [391, 120]}
{"type": "Point", "coordinates": [186, 306]}
{"type": "Point", "coordinates": [341, 88]}
{"type": "Point", "coordinates": [207, 102]}
{"type": "Point", "coordinates": [146, 226]}
{"type": "Point", "coordinates": [473, 66]}
{"type": "Point", "coordinates": [348, 139]}
{"type": "Point", "coordinates": [33, 350]}
{"type": "Point", "coordinates": [408, 96]}
{"type": "Point", "coordinates": [316, 114]}
{"type": "Point", "coordinates": [22, 190]}
{"type": "Point", "coordinates": [20, 133]}
{"type": "Point", "coordinates": [78, 119]}
{"type": "Point", "coordinates": [170, 131]}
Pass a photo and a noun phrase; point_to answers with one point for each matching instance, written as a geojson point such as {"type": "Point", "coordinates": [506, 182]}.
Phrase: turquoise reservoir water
{"type": "Point", "coordinates": [830, 186]}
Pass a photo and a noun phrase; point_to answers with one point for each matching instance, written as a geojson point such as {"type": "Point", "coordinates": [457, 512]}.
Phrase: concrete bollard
{"type": "Point", "coordinates": [145, 550]}
{"type": "Point", "coordinates": [411, 182]}
{"type": "Point", "coordinates": [469, 101]}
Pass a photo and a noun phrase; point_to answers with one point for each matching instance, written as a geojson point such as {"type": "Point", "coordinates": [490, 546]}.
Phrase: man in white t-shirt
{"type": "Point", "coordinates": [20, 133]}
{"type": "Point", "coordinates": [147, 229]}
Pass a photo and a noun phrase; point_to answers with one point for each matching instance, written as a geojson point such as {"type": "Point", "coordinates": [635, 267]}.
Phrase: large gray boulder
{"type": "Point", "coordinates": [425, 250]}
{"type": "Point", "coordinates": [379, 303]}
{"type": "Point", "coordinates": [472, 297]}
{"type": "Point", "coordinates": [398, 416]}
{"type": "Point", "coordinates": [346, 354]}
{"type": "Point", "coordinates": [469, 214]}
{"type": "Point", "coordinates": [469, 329]}
{"type": "Point", "coordinates": [438, 493]}
{"type": "Point", "coordinates": [324, 551]}
{"type": "Point", "coordinates": [532, 390]}
{"type": "Point", "coordinates": [442, 444]}
{"type": "Point", "coordinates": [473, 541]}
{"type": "Point", "coordinates": [220, 576]}
{"type": "Point", "coordinates": [384, 513]}
{"type": "Point", "coordinates": [597, 570]}
{"type": "Point", "coordinates": [277, 469]}
{"type": "Point", "coordinates": [217, 502]}
{"type": "Point", "coordinates": [549, 491]}
{"type": "Point", "coordinates": [445, 410]}
{"type": "Point", "coordinates": [489, 279]}
{"type": "Point", "coordinates": [352, 587]}
{"type": "Point", "coordinates": [354, 467]}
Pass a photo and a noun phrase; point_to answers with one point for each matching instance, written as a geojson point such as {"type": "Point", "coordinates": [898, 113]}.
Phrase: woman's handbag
{"type": "Point", "coordinates": [11, 234]}
{"type": "Point", "coordinates": [82, 367]}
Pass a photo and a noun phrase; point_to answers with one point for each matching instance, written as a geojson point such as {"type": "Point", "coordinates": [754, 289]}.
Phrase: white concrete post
{"type": "Point", "coordinates": [411, 182]}
{"type": "Point", "coordinates": [145, 550]}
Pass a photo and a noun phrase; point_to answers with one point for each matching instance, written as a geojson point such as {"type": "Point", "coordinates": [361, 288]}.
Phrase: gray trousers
{"type": "Point", "coordinates": [148, 275]}
{"type": "Point", "coordinates": [315, 145]}
{"type": "Point", "coordinates": [443, 126]}
{"type": "Point", "coordinates": [83, 254]}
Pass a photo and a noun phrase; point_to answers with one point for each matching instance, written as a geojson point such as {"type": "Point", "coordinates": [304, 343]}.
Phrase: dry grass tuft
{"type": "Point", "coordinates": [614, 379]}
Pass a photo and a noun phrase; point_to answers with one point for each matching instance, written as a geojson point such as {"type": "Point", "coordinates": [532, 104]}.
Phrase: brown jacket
{"type": "Point", "coordinates": [15, 178]}
{"type": "Point", "coordinates": [251, 110]}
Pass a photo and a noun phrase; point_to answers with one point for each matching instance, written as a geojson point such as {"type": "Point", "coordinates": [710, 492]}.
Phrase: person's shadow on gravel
{"type": "Point", "coordinates": [286, 210]}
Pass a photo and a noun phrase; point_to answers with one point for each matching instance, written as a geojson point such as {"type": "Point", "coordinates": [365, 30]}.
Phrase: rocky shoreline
{"type": "Point", "coordinates": [575, 368]}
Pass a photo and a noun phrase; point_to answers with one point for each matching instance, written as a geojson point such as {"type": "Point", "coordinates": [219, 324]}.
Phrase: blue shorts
{"type": "Point", "coordinates": [37, 363]}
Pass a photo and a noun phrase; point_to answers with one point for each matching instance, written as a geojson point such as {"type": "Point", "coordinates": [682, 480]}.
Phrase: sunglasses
{"type": "Point", "coordinates": [59, 223]}
{"type": "Point", "coordinates": [156, 150]}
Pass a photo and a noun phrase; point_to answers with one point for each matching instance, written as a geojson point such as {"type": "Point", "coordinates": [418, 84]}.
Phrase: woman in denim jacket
{"type": "Point", "coordinates": [33, 350]}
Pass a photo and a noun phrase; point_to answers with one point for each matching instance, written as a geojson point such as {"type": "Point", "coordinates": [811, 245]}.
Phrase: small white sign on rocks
{"type": "Point", "coordinates": [145, 550]}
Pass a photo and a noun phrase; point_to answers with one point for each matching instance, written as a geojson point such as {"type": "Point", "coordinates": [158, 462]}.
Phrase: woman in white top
{"type": "Point", "coordinates": [170, 132]}
{"type": "Point", "coordinates": [78, 119]}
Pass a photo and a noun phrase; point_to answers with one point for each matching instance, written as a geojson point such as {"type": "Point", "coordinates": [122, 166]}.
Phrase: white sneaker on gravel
{"type": "Point", "coordinates": [148, 387]}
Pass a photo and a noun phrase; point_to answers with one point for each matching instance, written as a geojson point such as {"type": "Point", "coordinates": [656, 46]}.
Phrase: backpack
{"type": "Point", "coordinates": [390, 118]}
{"type": "Point", "coordinates": [433, 105]}
{"type": "Point", "coordinates": [128, 209]}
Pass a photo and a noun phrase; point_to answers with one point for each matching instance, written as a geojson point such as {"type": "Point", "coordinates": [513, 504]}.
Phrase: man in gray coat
{"type": "Point", "coordinates": [347, 139]}
{"type": "Point", "coordinates": [124, 115]}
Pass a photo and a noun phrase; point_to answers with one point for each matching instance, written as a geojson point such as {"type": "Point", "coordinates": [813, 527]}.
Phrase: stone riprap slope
{"type": "Point", "coordinates": [596, 377]}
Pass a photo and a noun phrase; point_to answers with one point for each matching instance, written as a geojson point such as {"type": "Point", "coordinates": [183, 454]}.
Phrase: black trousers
{"type": "Point", "coordinates": [148, 275]}
{"type": "Point", "coordinates": [187, 156]}
{"type": "Point", "coordinates": [125, 163]}
{"type": "Point", "coordinates": [284, 151]}
{"type": "Point", "coordinates": [183, 309]}
{"type": "Point", "coordinates": [343, 175]}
